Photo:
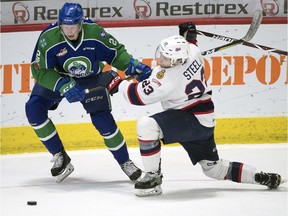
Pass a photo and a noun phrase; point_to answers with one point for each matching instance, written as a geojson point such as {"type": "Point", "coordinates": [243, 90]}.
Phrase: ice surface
{"type": "Point", "coordinates": [99, 187]}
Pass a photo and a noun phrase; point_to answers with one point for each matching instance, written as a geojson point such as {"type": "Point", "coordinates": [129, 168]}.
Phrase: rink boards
{"type": "Point", "coordinates": [83, 136]}
{"type": "Point", "coordinates": [249, 89]}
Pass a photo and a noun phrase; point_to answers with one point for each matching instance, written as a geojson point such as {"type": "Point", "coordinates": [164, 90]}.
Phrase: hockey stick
{"type": "Point", "coordinates": [256, 21]}
{"type": "Point", "coordinates": [245, 43]}
{"type": "Point", "coordinates": [95, 88]}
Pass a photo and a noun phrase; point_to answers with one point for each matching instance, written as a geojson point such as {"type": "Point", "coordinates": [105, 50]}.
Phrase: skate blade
{"type": "Point", "coordinates": [281, 180]}
{"type": "Point", "coordinates": [149, 192]}
{"type": "Point", "coordinates": [69, 169]}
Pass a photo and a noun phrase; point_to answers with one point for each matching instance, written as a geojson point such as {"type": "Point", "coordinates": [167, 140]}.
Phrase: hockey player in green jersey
{"type": "Point", "coordinates": [68, 59]}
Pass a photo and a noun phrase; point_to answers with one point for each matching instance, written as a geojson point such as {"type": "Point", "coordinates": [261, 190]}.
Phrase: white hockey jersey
{"type": "Point", "coordinates": [181, 87]}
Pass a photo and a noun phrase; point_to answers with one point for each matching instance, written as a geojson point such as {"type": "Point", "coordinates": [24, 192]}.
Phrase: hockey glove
{"type": "Point", "coordinates": [143, 76]}
{"type": "Point", "coordinates": [137, 68]}
{"type": "Point", "coordinates": [188, 31]}
{"type": "Point", "coordinates": [114, 82]}
{"type": "Point", "coordinates": [68, 87]}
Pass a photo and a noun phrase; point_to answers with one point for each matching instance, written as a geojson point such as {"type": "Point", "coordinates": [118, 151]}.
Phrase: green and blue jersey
{"type": "Point", "coordinates": [55, 56]}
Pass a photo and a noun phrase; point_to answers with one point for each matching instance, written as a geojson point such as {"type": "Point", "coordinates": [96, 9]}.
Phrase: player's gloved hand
{"type": "Point", "coordinates": [144, 75]}
{"type": "Point", "coordinates": [114, 82]}
{"type": "Point", "coordinates": [188, 31]}
{"type": "Point", "coordinates": [137, 68]}
{"type": "Point", "coordinates": [68, 87]}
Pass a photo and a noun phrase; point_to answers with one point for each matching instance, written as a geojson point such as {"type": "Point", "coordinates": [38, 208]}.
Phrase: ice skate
{"type": "Point", "coordinates": [62, 167]}
{"type": "Point", "coordinates": [131, 170]}
{"type": "Point", "coordinates": [149, 185]}
{"type": "Point", "coordinates": [271, 180]}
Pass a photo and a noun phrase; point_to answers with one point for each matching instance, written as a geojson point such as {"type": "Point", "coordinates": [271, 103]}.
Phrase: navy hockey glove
{"type": "Point", "coordinates": [114, 82]}
{"type": "Point", "coordinates": [137, 68]}
{"type": "Point", "coordinates": [188, 31]}
{"type": "Point", "coordinates": [144, 75]}
{"type": "Point", "coordinates": [68, 87]}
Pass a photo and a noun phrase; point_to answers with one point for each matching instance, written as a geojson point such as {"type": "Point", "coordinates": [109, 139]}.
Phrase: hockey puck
{"type": "Point", "coordinates": [31, 203]}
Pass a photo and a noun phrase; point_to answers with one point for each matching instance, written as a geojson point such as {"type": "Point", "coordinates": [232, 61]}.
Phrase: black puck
{"type": "Point", "coordinates": [32, 203]}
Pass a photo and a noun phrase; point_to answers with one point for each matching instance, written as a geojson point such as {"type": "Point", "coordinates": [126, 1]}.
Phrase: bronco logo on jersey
{"type": "Point", "coordinates": [78, 66]}
{"type": "Point", "coordinates": [62, 52]}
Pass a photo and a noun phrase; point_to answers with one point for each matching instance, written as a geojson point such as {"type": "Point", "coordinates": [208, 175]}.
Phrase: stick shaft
{"type": "Point", "coordinates": [245, 43]}
{"type": "Point", "coordinates": [256, 21]}
{"type": "Point", "coordinates": [95, 88]}
{"type": "Point", "coordinates": [225, 46]}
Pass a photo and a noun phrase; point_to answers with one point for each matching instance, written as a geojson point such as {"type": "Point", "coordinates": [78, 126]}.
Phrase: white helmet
{"type": "Point", "coordinates": [175, 48]}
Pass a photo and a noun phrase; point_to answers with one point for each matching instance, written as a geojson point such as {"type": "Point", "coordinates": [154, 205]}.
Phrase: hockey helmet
{"type": "Point", "coordinates": [175, 48]}
{"type": "Point", "coordinates": [71, 14]}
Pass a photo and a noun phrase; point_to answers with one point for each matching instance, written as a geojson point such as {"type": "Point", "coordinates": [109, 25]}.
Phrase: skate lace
{"type": "Point", "coordinates": [150, 176]}
{"type": "Point", "coordinates": [147, 177]}
{"type": "Point", "coordinates": [129, 167]}
{"type": "Point", "coordinates": [265, 179]}
{"type": "Point", "coordinates": [58, 160]}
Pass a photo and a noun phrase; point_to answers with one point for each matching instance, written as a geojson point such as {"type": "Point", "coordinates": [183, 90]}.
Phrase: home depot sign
{"type": "Point", "coordinates": [219, 70]}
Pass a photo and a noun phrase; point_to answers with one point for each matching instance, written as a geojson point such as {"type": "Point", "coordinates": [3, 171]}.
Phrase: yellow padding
{"type": "Point", "coordinates": [84, 136]}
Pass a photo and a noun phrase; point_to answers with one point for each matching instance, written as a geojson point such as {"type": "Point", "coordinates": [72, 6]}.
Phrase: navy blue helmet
{"type": "Point", "coordinates": [71, 14]}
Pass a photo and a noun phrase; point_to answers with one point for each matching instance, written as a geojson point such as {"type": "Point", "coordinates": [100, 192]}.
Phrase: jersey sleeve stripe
{"type": "Point", "coordinates": [133, 94]}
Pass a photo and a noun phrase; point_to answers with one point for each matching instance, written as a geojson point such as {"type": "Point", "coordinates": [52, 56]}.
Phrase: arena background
{"type": "Point", "coordinates": [249, 85]}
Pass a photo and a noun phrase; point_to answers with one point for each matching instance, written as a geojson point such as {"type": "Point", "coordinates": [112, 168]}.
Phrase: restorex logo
{"type": "Point", "coordinates": [20, 12]}
{"type": "Point", "coordinates": [78, 66]}
{"type": "Point", "coordinates": [44, 13]}
{"type": "Point", "coordinates": [198, 8]}
{"type": "Point", "coordinates": [270, 7]}
{"type": "Point", "coordinates": [143, 9]}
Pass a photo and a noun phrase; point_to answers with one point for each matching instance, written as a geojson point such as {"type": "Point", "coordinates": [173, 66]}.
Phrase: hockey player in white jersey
{"type": "Point", "coordinates": [188, 118]}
